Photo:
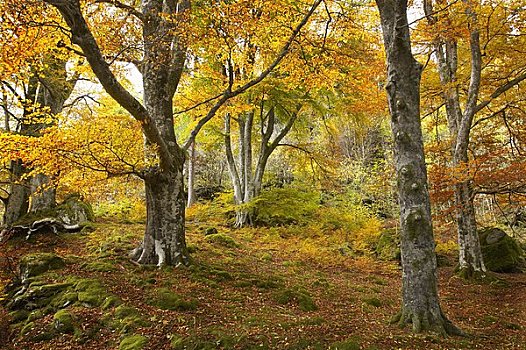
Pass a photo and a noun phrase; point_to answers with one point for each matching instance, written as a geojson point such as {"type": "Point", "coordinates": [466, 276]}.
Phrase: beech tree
{"type": "Point", "coordinates": [420, 302]}
{"type": "Point", "coordinates": [164, 45]}
{"type": "Point", "coordinates": [466, 96]}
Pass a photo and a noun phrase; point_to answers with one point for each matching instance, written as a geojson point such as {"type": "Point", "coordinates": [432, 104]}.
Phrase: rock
{"type": "Point", "coordinates": [73, 211]}
{"type": "Point", "coordinates": [63, 322]}
{"type": "Point", "coordinates": [166, 299]}
{"type": "Point", "coordinates": [70, 216]}
{"type": "Point", "coordinates": [210, 231]}
{"type": "Point", "coordinates": [36, 264]}
{"type": "Point", "coordinates": [500, 252]}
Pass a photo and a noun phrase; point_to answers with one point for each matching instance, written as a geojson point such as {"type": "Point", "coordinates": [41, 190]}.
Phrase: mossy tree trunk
{"type": "Point", "coordinates": [420, 302]}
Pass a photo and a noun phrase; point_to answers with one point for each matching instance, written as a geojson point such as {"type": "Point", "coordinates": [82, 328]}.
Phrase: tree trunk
{"type": "Point", "coordinates": [164, 238]}
{"type": "Point", "coordinates": [471, 264]}
{"type": "Point", "coordinates": [18, 201]}
{"type": "Point", "coordinates": [420, 302]}
{"type": "Point", "coordinates": [191, 177]}
{"type": "Point", "coordinates": [42, 198]}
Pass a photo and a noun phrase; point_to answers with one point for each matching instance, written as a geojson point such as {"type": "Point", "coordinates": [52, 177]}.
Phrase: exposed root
{"type": "Point", "coordinates": [426, 322]}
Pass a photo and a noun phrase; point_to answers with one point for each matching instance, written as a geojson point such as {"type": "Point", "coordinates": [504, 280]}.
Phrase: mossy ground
{"type": "Point", "coordinates": [234, 292]}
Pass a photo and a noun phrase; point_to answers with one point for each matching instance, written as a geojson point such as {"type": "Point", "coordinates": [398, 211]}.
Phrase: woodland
{"type": "Point", "coordinates": [284, 174]}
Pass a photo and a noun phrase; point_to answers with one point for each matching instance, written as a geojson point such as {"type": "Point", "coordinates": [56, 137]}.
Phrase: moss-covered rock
{"type": "Point", "coordinates": [63, 322]}
{"type": "Point", "coordinates": [18, 315]}
{"type": "Point", "coordinates": [110, 302]}
{"type": "Point", "coordinates": [36, 264]}
{"type": "Point", "coordinates": [500, 252]}
{"type": "Point", "coordinates": [74, 211]}
{"type": "Point", "coordinates": [133, 342]}
{"type": "Point", "coordinates": [64, 299]}
{"type": "Point", "coordinates": [36, 296]}
{"type": "Point", "coordinates": [222, 239]}
{"type": "Point", "coordinates": [166, 299]}
{"type": "Point", "coordinates": [100, 266]}
{"type": "Point", "coordinates": [90, 292]}
{"type": "Point", "coordinates": [298, 295]}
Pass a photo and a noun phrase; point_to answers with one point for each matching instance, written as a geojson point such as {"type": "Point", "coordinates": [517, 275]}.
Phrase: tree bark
{"type": "Point", "coordinates": [420, 302]}
{"type": "Point", "coordinates": [42, 197]}
{"type": "Point", "coordinates": [164, 239]}
{"type": "Point", "coordinates": [471, 264]}
{"type": "Point", "coordinates": [191, 177]}
{"type": "Point", "coordinates": [17, 202]}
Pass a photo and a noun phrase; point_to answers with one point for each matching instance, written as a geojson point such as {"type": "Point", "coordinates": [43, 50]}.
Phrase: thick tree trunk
{"type": "Point", "coordinates": [42, 198]}
{"type": "Point", "coordinates": [191, 177]}
{"type": "Point", "coordinates": [420, 302]}
{"type": "Point", "coordinates": [18, 201]}
{"type": "Point", "coordinates": [164, 239]}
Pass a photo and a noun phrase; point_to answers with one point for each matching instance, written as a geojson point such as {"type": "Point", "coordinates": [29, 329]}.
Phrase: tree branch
{"type": "Point", "coordinates": [228, 93]}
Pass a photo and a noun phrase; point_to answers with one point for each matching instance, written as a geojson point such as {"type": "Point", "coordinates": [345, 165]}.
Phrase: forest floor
{"type": "Point", "coordinates": [258, 290]}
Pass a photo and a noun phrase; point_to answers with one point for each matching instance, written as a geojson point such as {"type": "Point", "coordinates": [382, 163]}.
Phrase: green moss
{"type": "Point", "coordinates": [91, 293]}
{"type": "Point", "coordinates": [373, 301]}
{"type": "Point", "coordinates": [39, 263]}
{"type": "Point", "coordinates": [177, 342]}
{"type": "Point", "coordinates": [500, 252]}
{"type": "Point", "coordinates": [110, 302]}
{"type": "Point", "coordinates": [64, 299]}
{"type": "Point", "coordinates": [222, 239]}
{"type": "Point", "coordinates": [18, 315]}
{"type": "Point", "coordinates": [133, 342]}
{"type": "Point", "coordinates": [36, 314]}
{"type": "Point", "coordinates": [166, 299]}
{"type": "Point", "coordinates": [63, 322]}
{"type": "Point", "coordinates": [124, 311]}
{"type": "Point", "coordinates": [27, 328]}
{"type": "Point", "coordinates": [100, 266]}
{"type": "Point", "coordinates": [388, 245]}
{"type": "Point", "coordinates": [349, 344]}
{"type": "Point", "coordinates": [297, 295]}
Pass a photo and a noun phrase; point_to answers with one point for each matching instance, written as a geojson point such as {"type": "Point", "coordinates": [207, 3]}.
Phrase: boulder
{"type": "Point", "coordinates": [501, 253]}
{"type": "Point", "coordinates": [36, 264]}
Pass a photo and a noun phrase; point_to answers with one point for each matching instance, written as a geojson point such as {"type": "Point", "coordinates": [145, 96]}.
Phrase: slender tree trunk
{"type": "Point", "coordinates": [471, 264]}
{"type": "Point", "coordinates": [420, 302]}
{"type": "Point", "coordinates": [191, 177]}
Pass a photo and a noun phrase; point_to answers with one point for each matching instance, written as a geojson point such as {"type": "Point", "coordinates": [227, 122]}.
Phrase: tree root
{"type": "Point", "coordinates": [427, 322]}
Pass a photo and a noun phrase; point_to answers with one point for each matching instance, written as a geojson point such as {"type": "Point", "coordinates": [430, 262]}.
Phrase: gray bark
{"type": "Point", "coordinates": [17, 202]}
{"type": "Point", "coordinates": [162, 66]}
{"type": "Point", "coordinates": [420, 302]}
{"type": "Point", "coordinates": [459, 124]}
{"type": "Point", "coordinates": [191, 177]}
{"type": "Point", "coordinates": [247, 183]}
{"type": "Point", "coordinates": [54, 88]}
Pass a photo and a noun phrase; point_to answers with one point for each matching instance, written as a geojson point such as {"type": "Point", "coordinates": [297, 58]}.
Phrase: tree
{"type": "Point", "coordinates": [35, 86]}
{"type": "Point", "coordinates": [420, 302]}
{"type": "Point", "coordinates": [462, 107]}
{"type": "Point", "coordinates": [164, 44]}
